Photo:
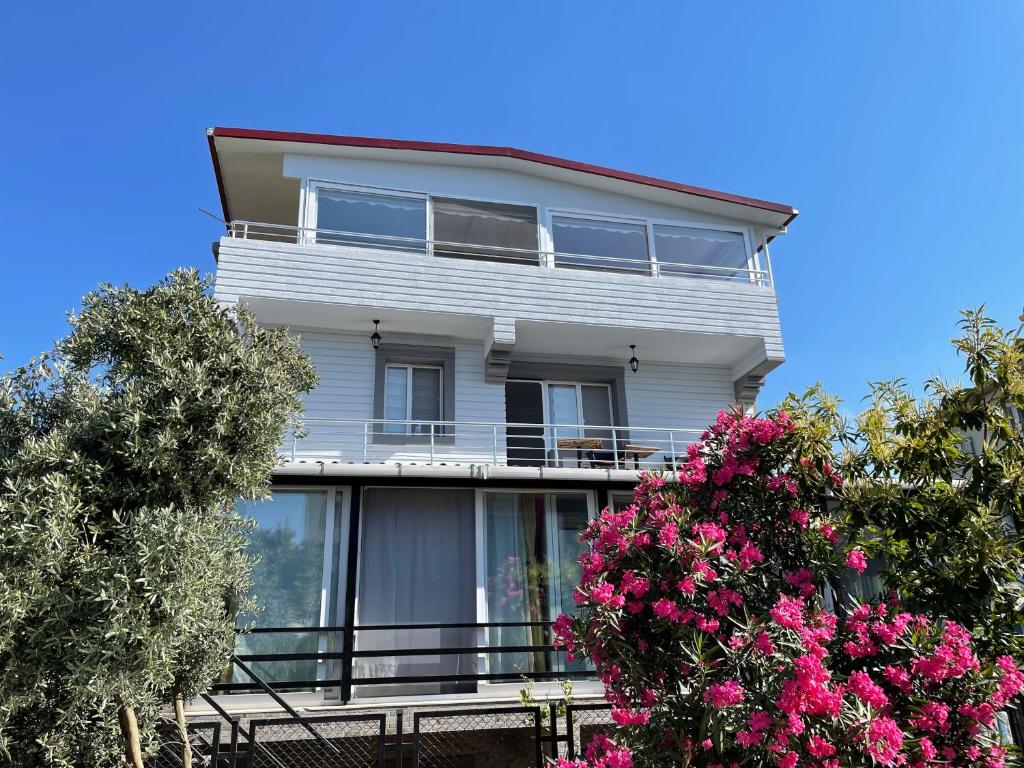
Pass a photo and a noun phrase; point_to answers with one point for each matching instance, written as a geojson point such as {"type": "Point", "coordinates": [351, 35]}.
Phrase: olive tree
{"type": "Point", "coordinates": [122, 560]}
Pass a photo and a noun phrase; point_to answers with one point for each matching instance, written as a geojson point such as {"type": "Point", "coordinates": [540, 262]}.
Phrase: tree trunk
{"type": "Point", "coordinates": [129, 734]}
{"type": "Point", "coordinates": [186, 746]}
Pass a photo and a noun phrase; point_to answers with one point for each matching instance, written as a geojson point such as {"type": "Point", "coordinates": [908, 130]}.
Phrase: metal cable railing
{"type": "Point", "coordinates": [500, 444]}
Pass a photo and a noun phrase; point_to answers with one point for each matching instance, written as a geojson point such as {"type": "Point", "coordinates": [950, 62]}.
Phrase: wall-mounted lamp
{"type": "Point", "coordinates": [634, 364]}
{"type": "Point", "coordinates": [375, 339]}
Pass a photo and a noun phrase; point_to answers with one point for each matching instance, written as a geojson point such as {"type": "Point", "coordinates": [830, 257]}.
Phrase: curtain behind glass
{"type": "Point", "coordinates": [684, 250]}
{"type": "Point", "coordinates": [425, 397]}
{"type": "Point", "coordinates": [575, 239]}
{"type": "Point", "coordinates": [287, 580]}
{"type": "Point", "coordinates": [517, 579]}
{"type": "Point", "coordinates": [362, 216]}
{"type": "Point", "coordinates": [416, 566]}
{"type": "Point", "coordinates": [396, 398]}
{"type": "Point", "coordinates": [494, 226]}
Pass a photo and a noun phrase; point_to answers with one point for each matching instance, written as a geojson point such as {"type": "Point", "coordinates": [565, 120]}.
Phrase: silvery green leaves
{"type": "Point", "coordinates": [121, 563]}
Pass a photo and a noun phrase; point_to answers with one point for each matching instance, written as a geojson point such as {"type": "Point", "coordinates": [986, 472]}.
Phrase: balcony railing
{"type": "Point", "coordinates": [253, 230]}
{"type": "Point", "coordinates": [336, 668]}
{"type": "Point", "coordinates": [448, 443]}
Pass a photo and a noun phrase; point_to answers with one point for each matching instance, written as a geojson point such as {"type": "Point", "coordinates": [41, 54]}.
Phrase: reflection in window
{"type": "Point", "coordinates": [287, 580]}
{"type": "Point", "coordinates": [486, 230]}
{"type": "Point", "coordinates": [598, 244]}
{"type": "Point", "coordinates": [412, 393]}
{"type": "Point", "coordinates": [867, 586]}
{"type": "Point", "coordinates": [693, 252]}
{"type": "Point", "coordinates": [372, 221]}
{"type": "Point", "coordinates": [533, 551]}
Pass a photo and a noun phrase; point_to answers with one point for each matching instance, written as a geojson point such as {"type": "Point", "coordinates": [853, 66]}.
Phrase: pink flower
{"type": "Point", "coordinates": [855, 559]}
{"type": "Point", "coordinates": [884, 740]}
{"type": "Point", "coordinates": [724, 694]}
{"type": "Point", "coordinates": [788, 612]}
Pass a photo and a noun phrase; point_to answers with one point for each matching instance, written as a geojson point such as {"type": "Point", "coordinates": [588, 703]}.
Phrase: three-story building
{"type": "Point", "coordinates": [504, 340]}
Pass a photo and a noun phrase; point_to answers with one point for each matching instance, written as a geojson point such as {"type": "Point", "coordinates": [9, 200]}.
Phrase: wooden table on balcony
{"type": "Point", "coordinates": [579, 444]}
{"type": "Point", "coordinates": [637, 452]}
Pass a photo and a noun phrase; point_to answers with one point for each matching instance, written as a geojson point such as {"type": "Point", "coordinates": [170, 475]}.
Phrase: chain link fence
{"type": "Point", "coordinates": [500, 737]}
{"type": "Point", "coordinates": [467, 737]}
{"type": "Point", "coordinates": [337, 741]}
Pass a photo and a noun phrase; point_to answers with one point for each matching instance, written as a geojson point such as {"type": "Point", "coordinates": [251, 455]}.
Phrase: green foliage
{"type": "Point", "coordinates": [944, 516]}
{"type": "Point", "coordinates": [121, 564]}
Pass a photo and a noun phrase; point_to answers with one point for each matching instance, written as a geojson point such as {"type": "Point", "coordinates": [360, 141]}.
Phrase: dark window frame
{"type": "Point", "coordinates": [411, 354]}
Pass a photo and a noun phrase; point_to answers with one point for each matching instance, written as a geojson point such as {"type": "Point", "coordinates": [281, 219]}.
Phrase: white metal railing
{"type": "Point", "coordinates": [253, 230]}
{"type": "Point", "coordinates": [391, 441]}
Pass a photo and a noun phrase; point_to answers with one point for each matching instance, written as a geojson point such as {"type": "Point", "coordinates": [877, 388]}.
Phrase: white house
{"type": "Point", "coordinates": [504, 339]}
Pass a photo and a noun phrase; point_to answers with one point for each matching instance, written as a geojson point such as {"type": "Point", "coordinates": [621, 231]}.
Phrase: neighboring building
{"type": "Point", "coordinates": [504, 339]}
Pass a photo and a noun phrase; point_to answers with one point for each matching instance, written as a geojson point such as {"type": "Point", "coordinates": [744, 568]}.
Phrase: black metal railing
{"type": "Point", "coordinates": [345, 681]}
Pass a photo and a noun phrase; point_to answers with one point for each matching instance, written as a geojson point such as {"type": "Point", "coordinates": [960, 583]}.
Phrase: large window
{"type": "Point", "coordinates": [600, 244]}
{"type": "Point", "coordinates": [481, 230]}
{"type": "Point", "coordinates": [412, 393]}
{"type": "Point", "coordinates": [371, 220]}
{"type": "Point", "coordinates": [287, 580]}
{"type": "Point", "coordinates": [692, 252]}
{"type": "Point", "coordinates": [532, 556]}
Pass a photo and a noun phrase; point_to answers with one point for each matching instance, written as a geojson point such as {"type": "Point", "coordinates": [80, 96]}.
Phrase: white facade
{"type": "Point", "coordinates": [500, 408]}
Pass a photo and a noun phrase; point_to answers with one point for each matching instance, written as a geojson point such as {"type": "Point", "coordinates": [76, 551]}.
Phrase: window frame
{"type": "Point", "coordinates": [333, 589]}
{"type": "Point", "coordinates": [416, 356]}
{"type": "Point", "coordinates": [649, 222]}
{"type": "Point", "coordinates": [550, 513]}
{"type": "Point", "coordinates": [545, 226]}
{"type": "Point", "coordinates": [409, 368]}
{"type": "Point", "coordinates": [311, 210]}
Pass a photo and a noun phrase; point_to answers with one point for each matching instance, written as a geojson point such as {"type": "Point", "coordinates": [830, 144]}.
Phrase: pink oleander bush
{"type": "Point", "coordinates": [700, 606]}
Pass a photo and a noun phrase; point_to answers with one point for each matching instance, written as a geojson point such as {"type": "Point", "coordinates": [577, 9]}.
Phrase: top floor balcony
{"type": "Point", "coordinates": [530, 255]}
{"type": "Point", "coordinates": [623, 248]}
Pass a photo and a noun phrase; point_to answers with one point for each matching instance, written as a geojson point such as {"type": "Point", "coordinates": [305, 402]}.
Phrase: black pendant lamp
{"type": "Point", "coordinates": [375, 339]}
{"type": "Point", "coordinates": [634, 364]}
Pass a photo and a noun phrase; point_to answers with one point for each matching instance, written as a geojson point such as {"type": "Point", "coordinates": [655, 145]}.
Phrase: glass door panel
{"type": "Point", "coordinates": [517, 579]}
{"type": "Point", "coordinates": [563, 409]}
{"type": "Point", "coordinates": [524, 404]}
{"type": "Point", "coordinates": [570, 518]}
{"type": "Point", "coordinates": [287, 580]}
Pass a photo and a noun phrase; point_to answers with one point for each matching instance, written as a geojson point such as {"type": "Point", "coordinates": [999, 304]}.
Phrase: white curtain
{"type": "Point", "coordinates": [416, 566]}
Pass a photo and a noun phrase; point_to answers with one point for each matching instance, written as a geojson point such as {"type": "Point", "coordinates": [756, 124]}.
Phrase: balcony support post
{"type": "Point", "coordinates": [366, 439]}
{"type": "Point", "coordinates": [675, 460]}
{"type": "Point", "coordinates": [494, 445]}
{"type": "Point", "coordinates": [431, 443]}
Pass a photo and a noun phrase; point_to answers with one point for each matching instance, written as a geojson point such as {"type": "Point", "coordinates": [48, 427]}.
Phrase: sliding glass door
{"type": "Point", "coordinates": [532, 553]}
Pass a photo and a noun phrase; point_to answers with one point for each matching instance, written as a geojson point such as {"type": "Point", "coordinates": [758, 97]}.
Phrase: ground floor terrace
{"type": "Point", "coordinates": [403, 617]}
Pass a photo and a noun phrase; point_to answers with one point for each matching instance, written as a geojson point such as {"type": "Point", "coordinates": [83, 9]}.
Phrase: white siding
{"type": "Point", "coordinates": [679, 397]}
{"type": "Point", "coordinates": [343, 401]}
{"type": "Point", "coordinates": [405, 281]}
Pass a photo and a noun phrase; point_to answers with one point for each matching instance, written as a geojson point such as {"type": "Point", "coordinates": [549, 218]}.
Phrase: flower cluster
{"type": "Point", "coordinates": [703, 616]}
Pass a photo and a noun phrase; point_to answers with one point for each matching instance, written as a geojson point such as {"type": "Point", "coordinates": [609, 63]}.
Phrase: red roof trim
{"type": "Point", "coordinates": [217, 173]}
{"type": "Point", "coordinates": [476, 149]}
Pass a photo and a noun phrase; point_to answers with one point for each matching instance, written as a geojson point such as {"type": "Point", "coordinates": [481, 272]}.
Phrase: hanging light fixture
{"type": "Point", "coordinates": [634, 364]}
{"type": "Point", "coordinates": [375, 339]}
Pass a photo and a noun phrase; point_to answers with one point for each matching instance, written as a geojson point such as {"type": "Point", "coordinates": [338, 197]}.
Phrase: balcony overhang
{"type": "Point", "coordinates": [507, 339]}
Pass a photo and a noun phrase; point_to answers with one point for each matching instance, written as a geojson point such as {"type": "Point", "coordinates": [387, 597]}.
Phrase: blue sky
{"type": "Point", "coordinates": [897, 129]}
